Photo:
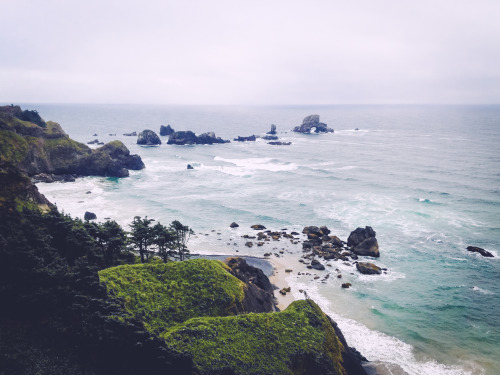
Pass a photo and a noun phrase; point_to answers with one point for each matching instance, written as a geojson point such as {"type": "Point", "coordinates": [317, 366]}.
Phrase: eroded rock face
{"type": "Point", "coordinates": [259, 295]}
{"type": "Point", "coordinates": [148, 138]}
{"type": "Point", "coordinates": [363, 242]}
{"type": "Point", "coordinates": [310, 124]}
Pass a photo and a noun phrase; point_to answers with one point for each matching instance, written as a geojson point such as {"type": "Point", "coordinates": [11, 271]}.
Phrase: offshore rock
{"type": "Point", "coordinates": [148, 138]}
{"type": "Point", "coordinates": [273, 129]}
{"type": "Point", "coordinates": [279, 143]}
{"type": "Point", "coordinates": [484, 253]}
{"type": "Point", "coordinates": [311, 124]}
{"type": "Point", "coordinates": [166, 130]}
{"type": "Point", "coordinates": [251, 138]}
{"type": "Point", "coordinates": [189, 138]}
{"type": "Point", "coordinates": [234, 225]}
{"type": "Point", "coordinates": [363, 242]}
{"type": "Point", "coordinates": [89, 216]}
{"type": "Point", "coordinates": [368, 268]}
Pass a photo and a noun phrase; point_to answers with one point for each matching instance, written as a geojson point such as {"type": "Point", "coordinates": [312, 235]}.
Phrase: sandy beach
{"type": "Point", "coordinates": [278, 279]}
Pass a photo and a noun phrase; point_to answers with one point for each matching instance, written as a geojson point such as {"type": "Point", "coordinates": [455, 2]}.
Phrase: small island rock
{"type": "Point", "coordinates": [311, 124]}
{"type": "Point", "coordinates": [234, 225]}
{"type": "Point", "coordinates": [273, 129]}
{"type": "Point", "coordinates": [148, 138]}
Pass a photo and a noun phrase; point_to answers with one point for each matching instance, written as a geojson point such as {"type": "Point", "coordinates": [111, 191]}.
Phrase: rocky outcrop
{"type": "Point", "coordinates": [363, 242]}
{"type": "Point", "coordinates": [148, 138]}
{"type": "Point", "coordinates": [278, 143]}
{"type": "Point", "coordinates": [311, 124]}
{"type": "Point", "coordinates": [251, 138]}
{"type": "Point", "coordinates": [259, 295]}
{"type": "Point", "coordinates": [49, 150]}
{"type": "Point", "coordinates": [273, 130]}
{"type": "Point", "coordinates": [367, 268]}
{"type": "Point", "coordinates": [189, 138]}
{"type": "Point", "coordinates": [234, 225]}
{"type": "Point", "coordinates": [89, 216]}
{"type": "Point", "coordinates": [317, 265]}
{"type": "Point", "coordinates": [484, 253]}
{"type": "Point", "coordinates": [166, 130]}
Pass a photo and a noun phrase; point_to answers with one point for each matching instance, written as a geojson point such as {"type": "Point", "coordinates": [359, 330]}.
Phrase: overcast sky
{"type": "Point", "coordinates": [250, 52]}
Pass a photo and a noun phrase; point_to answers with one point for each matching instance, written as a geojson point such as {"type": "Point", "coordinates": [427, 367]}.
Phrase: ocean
{"type": "Point", "coordinates": [425, 178]}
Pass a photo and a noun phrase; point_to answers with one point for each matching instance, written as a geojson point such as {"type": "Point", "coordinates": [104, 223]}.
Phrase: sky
{"type": "Point", "coordinates": [273, 52]}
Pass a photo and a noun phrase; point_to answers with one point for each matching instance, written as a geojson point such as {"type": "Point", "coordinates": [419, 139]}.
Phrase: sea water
{"type": "Point", "coordinates": [425, 178]}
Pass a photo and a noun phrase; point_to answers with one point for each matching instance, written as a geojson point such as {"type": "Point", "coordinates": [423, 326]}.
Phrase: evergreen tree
{"type": "Point", "coordinates": [164, 240]}
{"type": "Point", "coordinates": [182, 235]}
{"type": "Point", "coordinates": [142, 236]}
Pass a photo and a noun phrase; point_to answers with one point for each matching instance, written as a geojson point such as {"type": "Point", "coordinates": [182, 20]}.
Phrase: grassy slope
{"type": "Point", "coordinates": [188, 303]}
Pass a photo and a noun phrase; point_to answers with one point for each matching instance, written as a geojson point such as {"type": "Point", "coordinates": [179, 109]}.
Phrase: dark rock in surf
{"type": "Point", "coordinates": [368, 268]}
{"type": "Point", "coordinates": [189, 138]}
{"type": "Point", "coordinates": [258, 227]}
{"type": "Point", "coordinates": [311, 124]}
{"type": "Point", "coordinates": [273, 129]}
{"type": "Point", "coordinates": [484, 253]}
{"type": "Point", "coordinates": [89, 216]}
{"type": "Point", "coordinates": [317, 265]}
{"type": "Point", "coordinates": [148, 138]}
{"type": "Point", "coordinates": [251, 138]}
{"type": "Point", "coordinates": [270, 137]}
{"type": "Point", "coordinates": [278, 143]}
{"type": "Point", "coordinates": [133, 134]}
{"type": "Point", "coordinates": [166, 130]}
{"type": "Point", "coordinates": [363, 242]}
{"type": "Point", "coordinates": [189, 166]}
{"type": "Point", "coordinates": [234, 225]}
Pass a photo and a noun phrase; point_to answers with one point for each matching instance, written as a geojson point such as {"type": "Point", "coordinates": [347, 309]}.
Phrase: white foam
{"type": "Point", "coordinates": [255, 164]}
{"type": "Point", "coordinates": [374, 345]}
{"type": "Point", "coordinates": [480, 290]}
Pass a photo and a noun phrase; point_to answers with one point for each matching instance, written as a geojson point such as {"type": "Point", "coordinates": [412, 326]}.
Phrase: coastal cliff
{"type": "Point", "coordinates": [44, 148]}
{"type": "Point", "coordinates": [76, 302]}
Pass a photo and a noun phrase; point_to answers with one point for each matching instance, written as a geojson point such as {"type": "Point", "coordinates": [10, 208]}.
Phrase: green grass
{"type": "Point", "coordinates": [296, 340]}
{"type": "Point", "coordinates": [192, 306]}
{"type": "Point", "coordinates": [163, 295]}
{"type": "Point", "coordinates": [13, 147]}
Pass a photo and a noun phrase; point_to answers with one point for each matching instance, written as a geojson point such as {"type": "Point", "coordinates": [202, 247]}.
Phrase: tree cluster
{"type": "Point", "coordinates": [55, 316]}
{"type": "Point", "coordinates": [166, 242]}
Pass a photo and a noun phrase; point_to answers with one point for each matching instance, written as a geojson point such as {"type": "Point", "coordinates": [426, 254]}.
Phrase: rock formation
{"type": "Point", "coordinates": [189, 138]}
{"type": "Point", "coordinates": [251, 138]}
{"type": "Point", "coordinates": [166, 130]}
{"type": "Point", "coordinates": [34, 150]}
{"type": "Point", "coordinates": [367, 268]}
{"type": "Point", "coordinates": [273, 130]}
{"type": "Point", "coordinates": [363, 242]}
{"type": "Point", "coordinates": [484, 253]}
{"type": "Point", "coordinates": [148, 138]}
{"type": "Point", "coordinates": [311, 124]}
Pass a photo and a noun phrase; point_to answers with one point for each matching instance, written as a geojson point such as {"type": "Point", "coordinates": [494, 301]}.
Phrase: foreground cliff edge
{"type": "Point", "coordinates": [66, 312]}
{"type": "Point", "coordinates": [198, 307]}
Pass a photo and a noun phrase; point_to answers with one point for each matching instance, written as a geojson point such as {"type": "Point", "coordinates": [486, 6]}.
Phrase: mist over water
{"type": "Point", "coordinates": [425, 178]}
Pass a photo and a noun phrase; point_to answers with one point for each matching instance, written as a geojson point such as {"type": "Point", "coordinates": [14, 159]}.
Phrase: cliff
{"type": "Point", "coordinates": [30, 146]}
{"type": "Point", "coordinates": [198, 308]}
{"type": "Point", "coordinates": [44, 147]}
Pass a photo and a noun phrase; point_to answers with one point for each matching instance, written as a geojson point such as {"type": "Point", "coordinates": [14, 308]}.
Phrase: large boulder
{"type": "Point", "coordinates": [166, 130]}
{"type": "Point", "coordinates": [363, 242]}
{"type": "Point", "coordinates": [311, 124]}
{"type": "Point", "coordinates": [148, 138]}
{"type": "Point", "coordinates": [368, 268]}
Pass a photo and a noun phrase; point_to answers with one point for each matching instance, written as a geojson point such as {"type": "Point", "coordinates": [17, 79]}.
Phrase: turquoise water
{"type": "Point", "coordinates": [425, 178]}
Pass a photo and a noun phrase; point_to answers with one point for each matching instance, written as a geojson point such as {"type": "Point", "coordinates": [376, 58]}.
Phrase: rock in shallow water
{"type": "Point", "coordinates": [367, 268]}
{"type": "Point", "coordinates": [484, 253]}
{"type": "Point", "coordinates": [148, 138]}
